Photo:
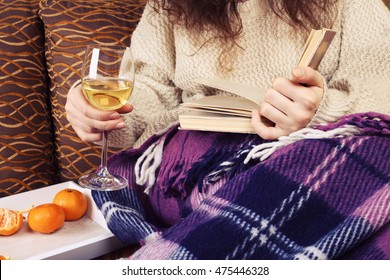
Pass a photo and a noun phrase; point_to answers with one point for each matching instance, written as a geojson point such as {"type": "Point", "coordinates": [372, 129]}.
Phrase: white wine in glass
{"type": "Point", "coordinates": [107, 83]}
{"type": "Point", "coordinates": [107, 94]}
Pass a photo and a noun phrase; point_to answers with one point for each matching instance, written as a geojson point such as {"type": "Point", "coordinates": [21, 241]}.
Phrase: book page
{"type": "Point", "coordinates": [206, 121]}
{"type": "Point", "coordinates": [253, 93]}
{"type": "Point", "coordinates": [225, 104]}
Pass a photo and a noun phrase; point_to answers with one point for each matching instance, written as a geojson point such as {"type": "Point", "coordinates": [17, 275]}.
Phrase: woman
{"type": "Point", "coordinates": [255, 42]}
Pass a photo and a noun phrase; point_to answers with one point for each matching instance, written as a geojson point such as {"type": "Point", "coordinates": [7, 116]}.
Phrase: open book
{"type": "Point", "coordinates": [222, 113]}
{"type": "Point", "coordinates": [233, 113]}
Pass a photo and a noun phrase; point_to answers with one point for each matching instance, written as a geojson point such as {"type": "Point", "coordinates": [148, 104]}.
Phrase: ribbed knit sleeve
{"type": "Point", "coordinates": [155, 97]}
{"type": "Point", "coordinates": [362, 80]}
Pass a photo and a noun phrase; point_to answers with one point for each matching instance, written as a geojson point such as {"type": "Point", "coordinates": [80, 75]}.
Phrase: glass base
{"type": "Point", "coordinates": [97, 182]}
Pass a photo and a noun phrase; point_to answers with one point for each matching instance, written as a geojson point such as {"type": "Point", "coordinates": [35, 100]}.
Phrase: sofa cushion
{"type": "Point", "coordinates": [69, 27]}
{"type": "Point", "coordinates": [26, 149]}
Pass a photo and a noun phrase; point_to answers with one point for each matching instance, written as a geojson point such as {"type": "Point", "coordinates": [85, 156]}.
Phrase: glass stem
{"type": "Point", "coordinates": [102, 171]}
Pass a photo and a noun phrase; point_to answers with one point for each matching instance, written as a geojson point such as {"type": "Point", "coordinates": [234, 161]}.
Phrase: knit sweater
{"type": "Point", "coordinates": [168, 58]}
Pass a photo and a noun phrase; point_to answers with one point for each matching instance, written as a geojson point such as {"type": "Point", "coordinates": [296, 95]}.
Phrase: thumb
{"type": "Point", "coordinates": [307, 76]}
{"type": "Point", "coordinates": [127, 108]}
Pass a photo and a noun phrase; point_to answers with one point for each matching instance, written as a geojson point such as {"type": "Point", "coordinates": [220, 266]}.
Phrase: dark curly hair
{"type": "Point", "coordinates": [223, 19]}
{"type": "Point", "coordinates": [223, 15]}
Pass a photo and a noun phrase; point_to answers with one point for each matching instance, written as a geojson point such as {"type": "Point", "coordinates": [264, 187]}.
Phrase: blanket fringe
{"type": "Point", "coordinates": [147, 164]}
{"type": "Point", "coordinates": [265, 150]}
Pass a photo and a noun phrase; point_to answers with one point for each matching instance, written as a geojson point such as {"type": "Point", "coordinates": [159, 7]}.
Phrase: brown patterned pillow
{"type": "Point", "coordinates": [69, 27]}
{"type": "Point", "coordinates": [26, 148]}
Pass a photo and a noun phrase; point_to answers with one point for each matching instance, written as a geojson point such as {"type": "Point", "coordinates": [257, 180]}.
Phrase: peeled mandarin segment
{"type": "Point", "coordinates": [10, 221]}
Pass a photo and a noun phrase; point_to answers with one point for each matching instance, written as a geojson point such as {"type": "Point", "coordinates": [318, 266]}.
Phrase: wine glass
{"type": "Point", "coordinates": [107, 83]}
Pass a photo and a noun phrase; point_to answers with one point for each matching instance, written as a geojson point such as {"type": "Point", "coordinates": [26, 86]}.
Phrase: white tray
{"type": "Point", "coordinates": [86, 238]}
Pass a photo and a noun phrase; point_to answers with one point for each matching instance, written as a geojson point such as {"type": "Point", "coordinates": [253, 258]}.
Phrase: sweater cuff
{"type": "Point", "coordinates": [334, 104]}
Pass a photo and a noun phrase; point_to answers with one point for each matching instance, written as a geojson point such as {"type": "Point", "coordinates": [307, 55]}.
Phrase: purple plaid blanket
{"type": "Point", "coordinates": [320, 193]}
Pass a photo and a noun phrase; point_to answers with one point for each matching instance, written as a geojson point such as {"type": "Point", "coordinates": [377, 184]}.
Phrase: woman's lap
{"type": "Point", "coordinates": [202, 179]}
{"type": "Point", "coordinates": [187, 156]}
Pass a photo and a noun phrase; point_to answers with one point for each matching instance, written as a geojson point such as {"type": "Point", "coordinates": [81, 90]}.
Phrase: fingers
{"type": "Point", "coordinates": [275, 106]}
{"type": "Point", "coordinates": [308, 77]}
{"type": "Point", "coordinates": [88, 136]}
{"type": "Point", "coordinates": [87, 121]}
{"type": "Point", "coordinates": [127, 108]}
{"type": "Point", "coordinates": [289, 105]}
{"type": "Point", "coordinates": [297, 92]}
{"type": "Point", "coordinates": [264, 127]}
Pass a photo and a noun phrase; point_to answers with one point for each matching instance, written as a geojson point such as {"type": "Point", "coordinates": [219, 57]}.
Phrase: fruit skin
{"type": "Point", "coordinates": [5, 216]}
{"type": "Point", "coordinates": [73, 202]}
{"type": "Point", "coordinates": [46, 218]}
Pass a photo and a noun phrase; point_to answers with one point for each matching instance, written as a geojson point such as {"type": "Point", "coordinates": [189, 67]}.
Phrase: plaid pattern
{"type": "Point", "coordinates": [326, 198]}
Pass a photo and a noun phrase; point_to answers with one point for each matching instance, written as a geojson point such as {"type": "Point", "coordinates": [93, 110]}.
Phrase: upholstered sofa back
{"type": "Point", "coordinates": [41, 48]}
{"type": "Point", "coordinates": [26, 146]}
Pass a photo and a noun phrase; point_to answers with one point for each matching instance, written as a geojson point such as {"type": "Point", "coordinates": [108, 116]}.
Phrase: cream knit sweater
{"type": "Point", "coordinates": [356, 67]}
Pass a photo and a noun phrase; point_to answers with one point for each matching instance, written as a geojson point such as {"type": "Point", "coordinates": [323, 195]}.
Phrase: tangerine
{"type": "Point", "coordinates": [10, 221]}
{"type": "Point", "coordinates": [46, 218]}
{"type": "Point", "coordinates": [73, 202]}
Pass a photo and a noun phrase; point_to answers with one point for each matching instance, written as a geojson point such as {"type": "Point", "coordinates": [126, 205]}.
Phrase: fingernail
{"type": "Point", "coordinates": [121, 125]}
{"type": "Point", "coordinates": [114, 116]}
{"type": "Point", "coordinates": [298, 73]}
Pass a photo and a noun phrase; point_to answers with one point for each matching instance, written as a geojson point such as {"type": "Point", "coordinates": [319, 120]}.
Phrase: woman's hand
{"type": "Point", "coordinates": [89, 122]}
{"type": "Point", "coordinates": [289, 105]}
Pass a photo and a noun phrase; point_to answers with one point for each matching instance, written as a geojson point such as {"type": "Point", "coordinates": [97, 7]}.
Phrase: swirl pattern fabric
{"type": "Point", "coordinates": [26, 147]}
{"type": "Point", "coordinates": [69, 27]}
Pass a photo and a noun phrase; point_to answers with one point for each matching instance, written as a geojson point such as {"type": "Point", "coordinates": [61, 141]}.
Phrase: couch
{"type": "Point", "coordinates": [42, 43]}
